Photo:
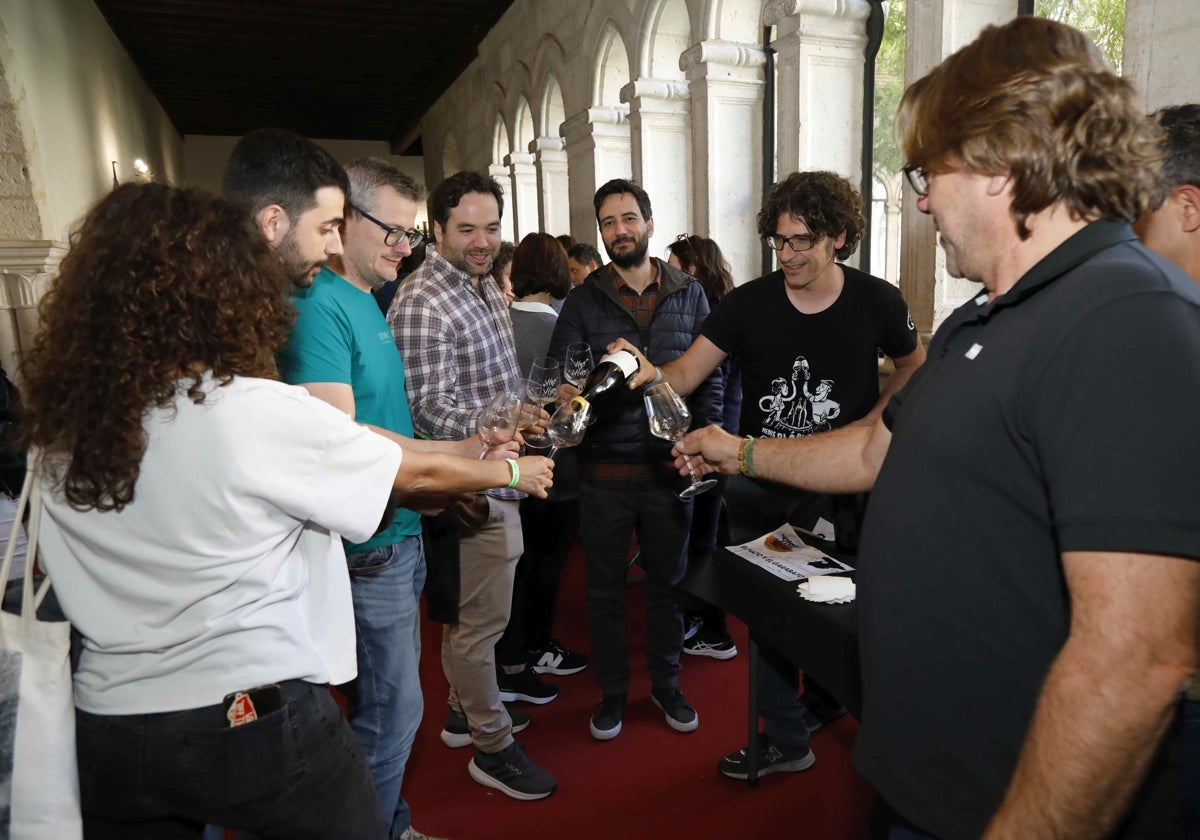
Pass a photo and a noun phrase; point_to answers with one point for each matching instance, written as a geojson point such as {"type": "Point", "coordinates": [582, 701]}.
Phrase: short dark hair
{"type": "Point", "coordinates": [540, 265]}
{"type": "Point", "coordinates": [449, 193]}
{"type": "Point", "coordinates": [370, 174]}
{"type": "Point", "coordinates": [276, 166]}
{"type": "Point", "coordinates": [1181, 141]}
{"type": "Point", "coordinates": [825, 201]}
{"type": "Point", "coordinates": [584, 253]}
{"type": "Point", "coordinates": [565, 240]}
{"type": "Point", "coordinates": [623, 186]}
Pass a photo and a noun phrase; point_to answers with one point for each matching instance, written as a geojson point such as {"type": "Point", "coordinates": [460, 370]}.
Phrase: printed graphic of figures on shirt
{"type": "Point", "coordinates": [798, 407]}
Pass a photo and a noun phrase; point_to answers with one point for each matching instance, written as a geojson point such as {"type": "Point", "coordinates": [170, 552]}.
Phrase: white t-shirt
{"type": "Point", "coordinates": [225, 572]}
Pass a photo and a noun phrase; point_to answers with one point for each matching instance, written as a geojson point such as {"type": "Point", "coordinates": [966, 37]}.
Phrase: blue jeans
{"type": "Point", "coordinates": [384, 703]}
{"type": "Point", "coordinates": [293, 773]}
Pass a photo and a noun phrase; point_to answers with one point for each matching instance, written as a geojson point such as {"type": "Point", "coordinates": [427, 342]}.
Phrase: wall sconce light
{"type": "Point", "coordinates": [141, 168]}
{"type": "Point", "coordinates": [116, 183]}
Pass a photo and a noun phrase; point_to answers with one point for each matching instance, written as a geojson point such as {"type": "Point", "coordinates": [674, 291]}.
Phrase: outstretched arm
{"type": "Point", "coordinates": [685, 373]}
{"type": "Point", "coordinates": [846, 460]}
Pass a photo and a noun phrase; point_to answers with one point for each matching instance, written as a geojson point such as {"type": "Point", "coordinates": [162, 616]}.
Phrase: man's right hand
{"type": "Point", "coordinates": [717, 447]}
{"type": "Point", "coordinates": [537, 475]}
{"type": "Point", "coordinates": [646, 372]}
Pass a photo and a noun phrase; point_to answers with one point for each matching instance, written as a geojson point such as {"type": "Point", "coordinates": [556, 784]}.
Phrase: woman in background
{"type": "Point", "coordinates": [705, 629]}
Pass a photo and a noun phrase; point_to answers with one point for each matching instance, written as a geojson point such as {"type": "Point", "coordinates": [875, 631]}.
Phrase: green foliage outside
{"type": "Point", "coordinates": [1103, 20]}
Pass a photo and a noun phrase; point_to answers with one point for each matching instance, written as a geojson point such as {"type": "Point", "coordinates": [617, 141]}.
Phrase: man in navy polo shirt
{"type": "Point", "coordinates": [1029, 583]}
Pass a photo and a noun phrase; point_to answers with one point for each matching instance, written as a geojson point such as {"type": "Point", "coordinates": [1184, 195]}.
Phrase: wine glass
{"type": "Point", "coordinates": [579, 363]}
{"type": "Point", "coordinates": [567, 426]}
{"type": "Point", "coordinates": [546, 372]}
{"type": "Point", "coordinates": [541, 389]}
{"type": "Point", "coordinates": [498, 422]}
{"type": "Point", "coordinates": [669, 420]}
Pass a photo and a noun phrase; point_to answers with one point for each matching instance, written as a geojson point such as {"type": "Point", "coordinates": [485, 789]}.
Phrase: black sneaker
{"type": "Point", "coordinates": [510, 772]}
{"type": "Point", "coordinates": [680, 715]}
{"type": "Point", "coordinates": [606, 720]}
{"type": "Point", "coordinates": [524, 685]}
{"type": "Point", "coordinates": [456, 733]}
{"type": "Point", "coordinates": [708, 643]}
{"type": "Point", "coordinates": [555, 659]}
{"type": "Point", "coordinates": [773, 757]}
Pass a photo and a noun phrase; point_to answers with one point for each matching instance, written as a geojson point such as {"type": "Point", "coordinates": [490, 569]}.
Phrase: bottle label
{"type": "Point", "coordinates": [624, 360]}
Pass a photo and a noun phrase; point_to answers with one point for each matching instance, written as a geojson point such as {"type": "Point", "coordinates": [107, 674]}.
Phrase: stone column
{"type": "Point", "coordinates": [935, 29]}
{"type": "Point", "coordinates": [661, 135]}
{"type": "Point", "coordinates": [1160, 51]}
{"type": "Point", "coordinates": [550, 163]}
{"type": "Point", "coordinates": [819, 64]}
{"type": "Point", "coordinates": [726, 87]}
{"type": "Point", "coordinates": [508, 225]}
{"type": "Point", "coordinates": [597, 151]}
{"type": "Point", "coordinates": [26, 269]}
{"type": "Point", "coordinates": [524, 192]}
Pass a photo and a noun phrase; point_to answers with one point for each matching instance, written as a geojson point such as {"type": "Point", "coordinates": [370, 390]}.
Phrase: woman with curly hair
{"type": "Point", "coordinates": [193, 504]}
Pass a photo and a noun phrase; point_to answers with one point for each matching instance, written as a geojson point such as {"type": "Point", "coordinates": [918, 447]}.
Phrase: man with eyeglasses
{"type": "Point", "coordinates": [1030, 579]}
{"type": "Point", "coordinates": [806, 338]}
{"type": "Point", "coordinates": [342, 351]}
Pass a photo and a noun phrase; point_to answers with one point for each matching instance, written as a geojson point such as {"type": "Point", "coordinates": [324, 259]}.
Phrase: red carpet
{"type": "Point", "coordinates": [649, 782]}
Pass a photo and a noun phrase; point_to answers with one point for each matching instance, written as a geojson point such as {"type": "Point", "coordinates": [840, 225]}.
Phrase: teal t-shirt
{"type": "Point", "coordinates": [341, 336]}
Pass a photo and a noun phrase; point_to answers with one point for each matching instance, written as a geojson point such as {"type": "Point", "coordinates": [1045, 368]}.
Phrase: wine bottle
{"type": "Point", "coordinates": [610, 372]}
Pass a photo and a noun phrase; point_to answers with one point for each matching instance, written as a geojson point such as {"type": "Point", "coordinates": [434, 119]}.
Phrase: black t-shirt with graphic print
{"type": "Point", "coordinates": [803, 374]}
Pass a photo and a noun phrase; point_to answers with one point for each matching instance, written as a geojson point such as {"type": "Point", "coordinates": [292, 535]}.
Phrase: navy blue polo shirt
{"type": "Point", "coordinates": [1060, 416]}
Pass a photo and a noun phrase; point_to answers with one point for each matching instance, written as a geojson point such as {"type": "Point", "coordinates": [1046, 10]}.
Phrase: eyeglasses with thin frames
{"type": "Point", "coordinates": [391, 234]}
{"type": "Point", "coordinates": [799, 242]}
{"type": "Point", "coordinates": [918, 179]}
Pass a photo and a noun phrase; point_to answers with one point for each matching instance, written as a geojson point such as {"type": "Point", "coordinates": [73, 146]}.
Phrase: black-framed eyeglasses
{"type": "Point", "coordinates": [799, 242]}
{"type": "Point", "coordinates": [918, 179]}
{"type": "Point", "coordinates": [391, 234]}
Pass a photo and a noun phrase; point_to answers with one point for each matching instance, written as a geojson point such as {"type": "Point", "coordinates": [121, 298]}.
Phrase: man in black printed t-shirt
{"type": "Point", "coordinates": [807, 338]}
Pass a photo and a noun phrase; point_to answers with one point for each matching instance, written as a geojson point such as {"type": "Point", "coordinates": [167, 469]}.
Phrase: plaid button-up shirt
{"type": "Point", "coordinates": [457, 346]}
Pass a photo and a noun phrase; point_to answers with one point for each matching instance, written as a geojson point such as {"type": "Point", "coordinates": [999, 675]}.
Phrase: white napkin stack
{"type": "Point", "coordinates": [827, 589]}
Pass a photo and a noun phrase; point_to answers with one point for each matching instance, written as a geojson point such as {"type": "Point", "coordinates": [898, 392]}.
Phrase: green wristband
{"type": "Point", "coordinates": [514, 471]}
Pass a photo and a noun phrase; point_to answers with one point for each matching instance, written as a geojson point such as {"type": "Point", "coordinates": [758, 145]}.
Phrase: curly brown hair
{"type": "Point", "coordinates": [825, 201]}
{"type": "Point", "coordinates": [1036, 99]}
{"type": "Point", "coordinates": [161, 284]}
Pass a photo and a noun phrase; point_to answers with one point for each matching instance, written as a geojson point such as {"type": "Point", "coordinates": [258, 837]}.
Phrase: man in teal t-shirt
{"type": "Point", "coordinates": [342, 350]}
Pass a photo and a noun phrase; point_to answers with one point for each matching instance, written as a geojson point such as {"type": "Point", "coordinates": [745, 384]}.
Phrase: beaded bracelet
{"type": "Point", "coordinates": [514, 471]}
{"type": "Point", "coordinates": [746, 456]}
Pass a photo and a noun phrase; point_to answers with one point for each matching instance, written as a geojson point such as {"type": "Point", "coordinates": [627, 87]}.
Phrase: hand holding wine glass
{"type": "Point", "coordinates": [669, 419]}
{"type": "Point", "coordinates": [498, 422]}
{"type": "Point", "coordinates": [540, 392]}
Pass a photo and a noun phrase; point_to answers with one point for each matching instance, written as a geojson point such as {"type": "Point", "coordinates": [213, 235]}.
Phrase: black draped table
{"type": "Point", "coordinates": [822, 639]}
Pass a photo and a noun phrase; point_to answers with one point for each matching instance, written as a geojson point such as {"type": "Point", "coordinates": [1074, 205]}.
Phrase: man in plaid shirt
{"type": "Point", "coordinates": [451, 325]}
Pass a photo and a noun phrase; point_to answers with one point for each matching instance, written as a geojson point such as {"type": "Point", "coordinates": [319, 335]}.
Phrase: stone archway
{"type": "Point", "coordinates": [29, 259]}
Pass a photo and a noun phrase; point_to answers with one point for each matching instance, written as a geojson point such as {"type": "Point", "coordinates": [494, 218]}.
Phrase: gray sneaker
{"type": "Point", "coordinates": [456, 733]}
{"type": "Point", "coordinates": [510, 772]}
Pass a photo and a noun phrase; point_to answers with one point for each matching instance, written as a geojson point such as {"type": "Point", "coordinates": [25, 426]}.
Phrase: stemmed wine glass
{"type": "Point", "coordinates": [567, 426]}
{"type": "Point", "coordinates": [541, 389]}
{"type": "Point", "coordinates": [498, 422]}
{"type": "Point", "coordinates": [669, 420]}
{"type": "Point", "coordinates": [579, 363]}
